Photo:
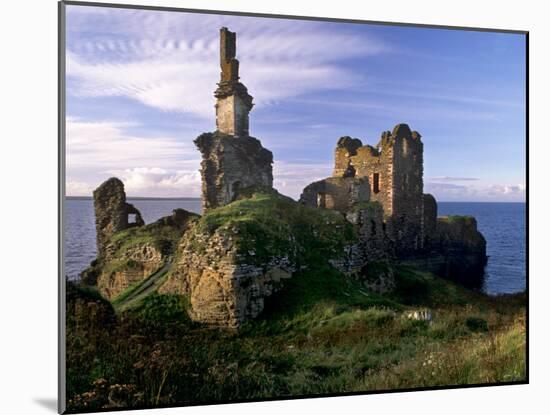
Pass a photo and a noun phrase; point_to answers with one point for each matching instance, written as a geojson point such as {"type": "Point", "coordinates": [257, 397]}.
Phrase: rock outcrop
{"type": "Point", "coordinates": [223, 287]}
{"type": "Point", "coordinates": [463, 247]}
{"type": "Point", "coordinates": [137, 253]}
{"type": "Point", "coordinates": [87, 313]}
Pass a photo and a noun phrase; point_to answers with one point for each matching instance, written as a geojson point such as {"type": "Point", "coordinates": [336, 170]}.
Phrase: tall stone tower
{"type": "Point", "coordinates": [233, 101]}
{"type": "Point", "coordinates": [234, 164]}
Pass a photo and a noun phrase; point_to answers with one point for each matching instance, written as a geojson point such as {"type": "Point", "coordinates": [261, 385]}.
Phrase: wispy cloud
{"type": "Point", "coordinates": [109, 144]}
{"type": "Point", "coordinates": [332, 81]}
{"type": "Point", "coordinates": [451, 179]}
{"type": "Point", "coordinates": [483, 192]}
{"type": "Point", "coordinates": [169, 61]}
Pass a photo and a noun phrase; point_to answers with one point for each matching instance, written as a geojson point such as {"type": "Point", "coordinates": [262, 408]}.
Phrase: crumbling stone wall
{"type": "Point", "coordinates": [338, 193]}
{"type": "Point", "coordinates": [429, 218]}
{"type": "Point", "coordinates": [368, 260]}
{"type": "Point", "coordinates": [231, 166]}
{"type": "Point", "coordinates": [233, 100]}
{"type": "Point", "coordinates": [345, 148]}
{"type": "Point", "coordinates": [139, 262]}
{"type": "Point", "coordinates": [233, 163]}
{"type": "Point", "coordinates": [142, 252]}
{"type": "Point", "coordinates": [223, 287]}
{"type": "Point", "coordinates": [369, 219]}
{"type": "Point", "coordinates": [112, 211]}
{"type": "Point", "coordinates": [394, 169]}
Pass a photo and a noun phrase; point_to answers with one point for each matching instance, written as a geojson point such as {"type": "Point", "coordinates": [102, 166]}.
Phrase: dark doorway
{"type": "Point", "coordinates": [376, 182]}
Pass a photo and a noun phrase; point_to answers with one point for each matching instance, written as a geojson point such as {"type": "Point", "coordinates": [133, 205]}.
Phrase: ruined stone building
{"type": "Point", "coordinates": [112, 212]}
{"type": "Point", "coordinates": [232, 161]}
{"type": "Point", "coordinates": [233, 100]}
{"type": "Point", "coordinates": [389, 173]}
{"type": "Point", "coordinates": [379, 217]}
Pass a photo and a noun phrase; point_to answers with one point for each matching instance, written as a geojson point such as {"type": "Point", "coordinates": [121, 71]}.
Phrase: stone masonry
{"type": "Point", "coordinates": [338, 193]}
{"type": "Point", "coordinates": [232, 161]}
{"type": "Point", "coordinates": [393, 170]}
{"type": "Point", "coordinates": [233, 101]}
{"type": "Point", "coordinates": [112, 212]}
{"type": "Point", "coordinates": [230, 166]}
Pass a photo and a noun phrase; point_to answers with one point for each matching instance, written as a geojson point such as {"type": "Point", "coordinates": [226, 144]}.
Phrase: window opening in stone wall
{"type": "Point", "coordinates": [132, 218]}
{"type": "Point", "coordinates": [376, 183]}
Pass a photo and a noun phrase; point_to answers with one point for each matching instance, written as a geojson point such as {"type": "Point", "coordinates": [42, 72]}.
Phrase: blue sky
{"type": "Point", "coordinates": [140, 89]}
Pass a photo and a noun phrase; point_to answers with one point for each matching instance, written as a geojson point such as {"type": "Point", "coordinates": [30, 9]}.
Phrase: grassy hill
{"type": "Point", "coordinates": [322, 333]}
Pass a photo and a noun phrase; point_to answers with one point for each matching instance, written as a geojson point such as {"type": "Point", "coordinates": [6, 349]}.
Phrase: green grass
{"type": "Point", "coordinates": [162, 237]}
{"type": "Point", "coordinates": [322, 333]}
{"type": "Point", "coordinates": [271, 225]}
{"type": "Point", "coordinates": [123, 296]}
{"type": "Point", "coordinates": [162, 310]}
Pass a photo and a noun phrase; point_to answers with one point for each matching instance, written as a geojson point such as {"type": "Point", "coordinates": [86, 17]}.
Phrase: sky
{"type": "Point", "coordinates": [140, 89]}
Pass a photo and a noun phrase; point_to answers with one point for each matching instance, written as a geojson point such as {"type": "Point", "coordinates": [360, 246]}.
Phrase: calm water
{"type": "Point", "coordinates": [503, 225]}
{"type": "Point", "coordinates": [80, 230]}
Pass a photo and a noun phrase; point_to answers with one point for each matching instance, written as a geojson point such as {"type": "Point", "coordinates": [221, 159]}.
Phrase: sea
{"type": "Point", "coordinates": [502, 224]}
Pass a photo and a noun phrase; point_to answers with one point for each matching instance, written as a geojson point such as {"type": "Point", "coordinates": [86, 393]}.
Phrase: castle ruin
{"type": "Point", "coordinates": [233, 100]}
{"type": "Point", "coordinates": [112, 212]}
{"type": "Point", "coordinates": [392, 172]}
{"type": "Point", "coordinates": [233, 163]}
{"type": "Point", "coordinates": [380, 217]}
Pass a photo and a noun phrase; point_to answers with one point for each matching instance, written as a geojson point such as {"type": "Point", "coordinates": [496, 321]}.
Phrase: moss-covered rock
{"type": "Point", "coordinates": [131, 255]}
{"type": "Point", "coordinates": [237, 255]}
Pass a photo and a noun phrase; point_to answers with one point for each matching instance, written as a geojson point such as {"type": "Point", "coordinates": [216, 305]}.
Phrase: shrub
{"type": "Point", "coordinates": [477, 324]}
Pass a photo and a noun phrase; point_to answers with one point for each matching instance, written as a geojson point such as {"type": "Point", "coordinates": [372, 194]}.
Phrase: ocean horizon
{"type": "Point", "coordinates": [502, 224]}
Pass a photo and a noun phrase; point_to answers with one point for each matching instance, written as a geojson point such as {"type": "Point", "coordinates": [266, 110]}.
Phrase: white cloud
{"type": "Point", "coordinates": [451, 179]}
{"type": "Point", "coordinates": [158, 182]}
{"type": "Point", "coordinates": [290, 178]}
{"type": "Point", "coordinates": [77, 188]}
{"type": "Point", "coordinates": [109, 145]}
{"type": "Point", "coordinates": [149, 166]}
{"type": "Point", "coordinates": [479, 192]}
{"type": "Point", "coordinates": [169, 61]}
